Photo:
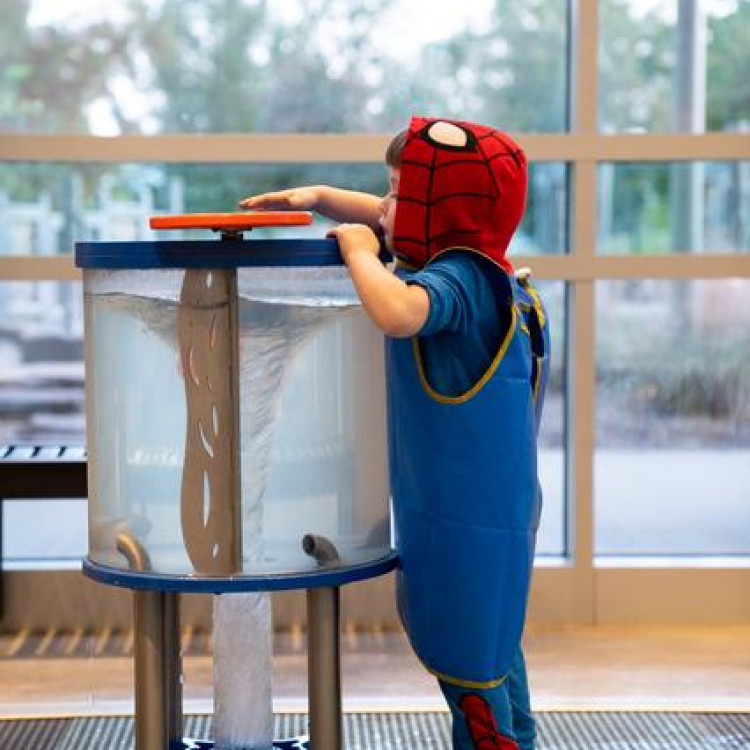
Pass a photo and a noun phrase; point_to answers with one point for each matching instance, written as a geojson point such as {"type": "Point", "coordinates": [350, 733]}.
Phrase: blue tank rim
{"type": "Point", "coordinates": [186, 584]}
{"type": "Point", "coordinates": [228, 253]}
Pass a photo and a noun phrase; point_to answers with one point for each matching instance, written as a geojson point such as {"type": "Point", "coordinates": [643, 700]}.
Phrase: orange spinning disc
{"type": "Point", "coordinates": [232, 222]}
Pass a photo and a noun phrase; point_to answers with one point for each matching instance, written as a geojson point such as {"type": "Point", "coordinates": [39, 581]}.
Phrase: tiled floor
{"type": "Point", "coordinates": [591, 668]}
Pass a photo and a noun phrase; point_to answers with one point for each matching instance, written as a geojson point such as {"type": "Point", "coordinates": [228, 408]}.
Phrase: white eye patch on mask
{"type": "Point", "coordinates": [448, 134]}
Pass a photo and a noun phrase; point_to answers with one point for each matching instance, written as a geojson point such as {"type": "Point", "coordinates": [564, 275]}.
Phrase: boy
{"type": "Point", "coordinates": [467, 356]}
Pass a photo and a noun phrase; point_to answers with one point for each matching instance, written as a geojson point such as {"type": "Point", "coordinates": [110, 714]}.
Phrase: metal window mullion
{"type": "Point", "coordinates": [581, 394]}
{"type": "Point", "coordinates": [573, 268]}
{"type": "Point", "coordinates": [251, 148]}
{"type": "Point", "coordinates": [195, 148]}
{"type": "Point", "coordinates": [581, 266]}
{"type": "Point", "coordinates": [649, 147]}
{"type": "Point", "coordinates": [584, 72]}
{"type": "Point", "coordinates": [38, 268]}
{"type": "Point", "coordinates": [581, 332]}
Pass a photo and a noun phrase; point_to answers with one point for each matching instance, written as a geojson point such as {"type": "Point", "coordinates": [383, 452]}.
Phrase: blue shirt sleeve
{"type": "Point", "coordinates": [466, 322]}
{"type": "Point", "coordinates": [455, 285]}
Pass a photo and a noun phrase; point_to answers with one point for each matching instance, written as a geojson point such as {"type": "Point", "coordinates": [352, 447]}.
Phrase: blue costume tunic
{"type": "Point", "coordinates": [465, 489]}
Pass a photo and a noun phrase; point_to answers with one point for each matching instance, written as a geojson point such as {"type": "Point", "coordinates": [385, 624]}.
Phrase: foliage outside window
{"type": "Point", "coordinates": [300, 66]}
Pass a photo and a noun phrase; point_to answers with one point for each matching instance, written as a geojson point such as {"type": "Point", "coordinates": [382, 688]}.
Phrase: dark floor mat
{"type": "Point", "coordinates": [622, 730]}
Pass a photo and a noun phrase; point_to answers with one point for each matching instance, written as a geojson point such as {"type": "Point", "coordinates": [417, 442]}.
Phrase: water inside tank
{"type": "Point", "coordinates": [312, 419]}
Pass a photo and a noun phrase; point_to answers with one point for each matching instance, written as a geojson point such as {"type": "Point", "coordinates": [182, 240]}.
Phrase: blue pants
{"type": "Point", "coordinates": [498, 718]}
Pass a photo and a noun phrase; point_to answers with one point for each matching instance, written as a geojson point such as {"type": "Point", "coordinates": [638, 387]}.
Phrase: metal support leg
{"type": "Point", "coordinates": [173, 665]}
{"type": "Point", "coordinates": [2, 553]}
{"type": "Point", "coordinates": [158, 710]}
{"type": "Point", "coordinates": [323, 668]}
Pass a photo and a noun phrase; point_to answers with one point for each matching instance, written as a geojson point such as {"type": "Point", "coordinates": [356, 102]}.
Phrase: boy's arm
{"type": "Point", "coordinates": [397, 308]}
{"type": "Point", "coordinates": [334, 203]}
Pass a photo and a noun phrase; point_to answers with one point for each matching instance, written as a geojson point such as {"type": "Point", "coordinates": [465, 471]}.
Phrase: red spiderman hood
{"type": "Point", "coordinates": [461, 185]}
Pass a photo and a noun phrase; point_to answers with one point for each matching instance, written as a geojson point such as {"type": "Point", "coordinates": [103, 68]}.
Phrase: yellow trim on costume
{"type": "Point", "coordinates": [523, 276]}
{"type": "Point", "coordinates": [537, 305]}
{"type": "Point", "coordinates": [537, 360]}
{"type": "Point", "coordinates": [498, 358]}
{"type": "Point", "coordinates": [401, 263]}
{"type": "Point", "coordinates": [467, 683]}
{"type": "Point", "coordinates": [507, 272]}
{"type": "Point", "coordinates": [489, 372]}
{"type": "Point", "coordinates": [525, 281]}
{"type": "Point", "coordinates": [537, 379]}
{"type": "Point", "coordinates": [457, 680]}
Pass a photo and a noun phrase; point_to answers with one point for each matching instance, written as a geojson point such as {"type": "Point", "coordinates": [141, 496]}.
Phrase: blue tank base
{"type": "Point", "coordinates": [295, 743]}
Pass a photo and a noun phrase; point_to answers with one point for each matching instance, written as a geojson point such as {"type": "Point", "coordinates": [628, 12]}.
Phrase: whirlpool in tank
{"type": "Point", "coordinates": [213, 452]}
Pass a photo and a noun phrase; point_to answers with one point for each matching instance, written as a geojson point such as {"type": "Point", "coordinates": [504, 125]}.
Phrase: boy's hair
{"type": "Point", "coordinates": [395, 147]}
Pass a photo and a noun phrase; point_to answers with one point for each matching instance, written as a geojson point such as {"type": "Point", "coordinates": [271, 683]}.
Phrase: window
{"type": "Point", "coordinates": [295, 66]}
{"type": "Point", "coordinates": [674, 207]}
{"type": "Point", "coordinates": [634, 114]}
{"type": "Point", "coordinates": [673, 418]}
{"type": "Point", "coordinates": [670, 66]}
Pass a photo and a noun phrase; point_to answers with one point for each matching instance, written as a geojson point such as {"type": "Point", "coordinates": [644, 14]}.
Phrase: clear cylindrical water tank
{"type": "Point", "coordinates": [235, 409]}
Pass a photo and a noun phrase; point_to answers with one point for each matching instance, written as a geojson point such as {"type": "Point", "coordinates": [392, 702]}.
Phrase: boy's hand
{"type": "Point", "coordinates": [294, 199]}
{"type": "Point", "coordinates": [354, 239]}
{"type": "Point", "coordinates": [395, 307]}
